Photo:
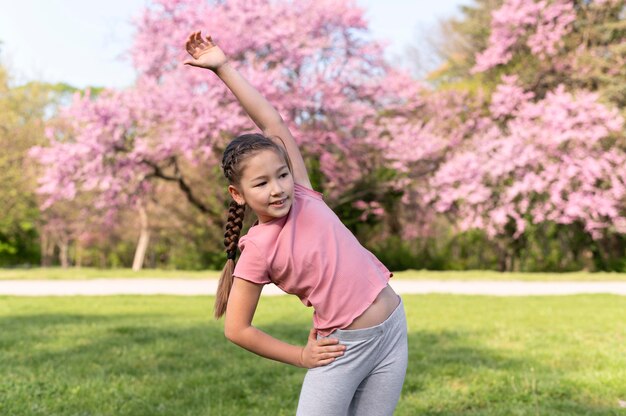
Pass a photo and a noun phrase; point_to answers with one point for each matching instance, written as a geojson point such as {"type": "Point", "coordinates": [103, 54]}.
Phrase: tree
{"type": "Point", "coordinates": [314, 60]}
{"type": "Point", "coordinates": [22, 112]}
{"type": "Point", "coordinates": [544, 151]}
{"type": "Point", "coordinates": [457, 40]}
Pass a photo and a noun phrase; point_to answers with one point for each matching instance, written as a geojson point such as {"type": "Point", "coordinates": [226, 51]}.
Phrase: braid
{"type": "Point", "coordinates": [234, 225]}
{"type": "Point", "coordinates": [233, 228]}
{"type": "Point", "coordinates": [235, 154]}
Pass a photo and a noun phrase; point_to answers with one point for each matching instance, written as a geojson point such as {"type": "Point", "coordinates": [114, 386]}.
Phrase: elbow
{"type": "Point", "coordinates": [232, 334]}
{"type": "Point", "coordinates": [229, 334]}
{"type": "Point", "coordinates": [274, 125]}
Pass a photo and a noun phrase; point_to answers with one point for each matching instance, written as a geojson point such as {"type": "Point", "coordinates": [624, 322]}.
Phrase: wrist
{"type": "Point", "coordinates": [301, 362]}
{"type": "Point", "coordinates": [220, 69]}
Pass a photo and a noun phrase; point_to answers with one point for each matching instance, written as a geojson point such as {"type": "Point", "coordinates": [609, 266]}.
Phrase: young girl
{"type": "Point", "coordinates": [356, 354]}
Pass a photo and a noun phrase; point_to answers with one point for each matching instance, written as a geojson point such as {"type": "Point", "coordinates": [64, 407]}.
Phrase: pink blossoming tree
{"type": "Point", "coordinates": [313, 59]}
{"type": "Point", "coordinates": [547, 156]}
{"type": "Point", "coordinates": [541, 143]}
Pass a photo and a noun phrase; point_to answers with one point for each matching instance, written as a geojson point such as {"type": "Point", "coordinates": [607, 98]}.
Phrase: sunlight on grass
{"type": "Point", "coordinates": [56, 273]}
{"type": "Point", "coordinates": [498, 276]}
{"type": "Point", "coordinates": [469, 355]}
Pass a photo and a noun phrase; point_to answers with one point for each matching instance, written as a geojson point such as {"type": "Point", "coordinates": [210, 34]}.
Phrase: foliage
{"type": "Point", "coordinates": [550, 160]}
{"type": "Point", "coordinates": [458, 40]}
{"type": "Point", "coordinates": [515, 159]}
{"type": "Point", "coordinates": [327, 81]}
{"type": "Point", "coordinates": [546, 148]}
{"type": "Point", "coordinates": [22, 110]}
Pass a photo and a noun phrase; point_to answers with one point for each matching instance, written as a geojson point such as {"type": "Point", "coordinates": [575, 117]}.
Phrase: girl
{"type": "Point", "coordinates": [356, 354]}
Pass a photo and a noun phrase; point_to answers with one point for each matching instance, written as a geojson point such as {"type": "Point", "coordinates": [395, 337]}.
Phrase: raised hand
{"type": "Point", "coordinates": [320, 352]}
{"type": "Point", "coordinates": [204, 52]}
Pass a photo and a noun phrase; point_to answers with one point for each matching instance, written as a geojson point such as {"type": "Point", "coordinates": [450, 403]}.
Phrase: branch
{"type": "Point", "coordinates": [178, 178]}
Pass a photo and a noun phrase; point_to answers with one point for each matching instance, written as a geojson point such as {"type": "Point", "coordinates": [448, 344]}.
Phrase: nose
{"type": "Point", "coordinates": [277, 188]}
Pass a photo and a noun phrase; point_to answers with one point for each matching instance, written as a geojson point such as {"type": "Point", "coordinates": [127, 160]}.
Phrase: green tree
{"type": "Point", "coordinates": [23, 110]}
{"type": "Point", "coordinates": [457, 40]}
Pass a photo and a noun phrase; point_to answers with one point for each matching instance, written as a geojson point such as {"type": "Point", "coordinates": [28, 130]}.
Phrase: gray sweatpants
{"type": "Point", "coordinates": [367, 379]}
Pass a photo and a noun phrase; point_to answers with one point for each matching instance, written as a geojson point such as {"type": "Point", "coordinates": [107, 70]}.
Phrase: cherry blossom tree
{"type": "Point", "coordinates": [550, 160]}
{"type": "Point", "coordinates": [541, 153]}
{"type": "Point", "coordinates": [537, 137]}
{"type": "Point", "coordinates": [314, 60]}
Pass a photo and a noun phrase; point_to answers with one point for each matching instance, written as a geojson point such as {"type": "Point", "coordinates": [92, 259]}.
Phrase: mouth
{"type": "Point", "coordinates": [279, 203]}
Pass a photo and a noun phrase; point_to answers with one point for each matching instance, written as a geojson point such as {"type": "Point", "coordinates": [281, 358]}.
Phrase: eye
{"type": "Point", "coordinates": [259, 184]}
{"type": "Point", "coordinates": [284, 175]}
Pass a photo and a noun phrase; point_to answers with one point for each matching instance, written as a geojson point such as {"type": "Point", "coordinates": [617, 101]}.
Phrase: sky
{"type": "Point", "coordinates": [83, 42]}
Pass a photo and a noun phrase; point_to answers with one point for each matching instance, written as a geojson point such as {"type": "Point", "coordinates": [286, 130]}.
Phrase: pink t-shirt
{"type": "Point", "coordinates": [311, 254]}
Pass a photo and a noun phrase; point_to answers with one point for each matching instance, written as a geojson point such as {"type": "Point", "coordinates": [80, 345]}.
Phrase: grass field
{"type": "Point", "coordinates": [164, 355]}
{"type": "Point", "coordinates": [92, 273]}
{"type": "Point", "coordinates": [73, 273]}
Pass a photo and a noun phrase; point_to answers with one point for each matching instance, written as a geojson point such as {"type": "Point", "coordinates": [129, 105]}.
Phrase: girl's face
{"type": "Point", "coordinates": [266, 185]}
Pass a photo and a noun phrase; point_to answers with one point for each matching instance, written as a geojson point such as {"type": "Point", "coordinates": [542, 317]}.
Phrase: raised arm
{"type": "Point", "coordinates": [242, 303]}
{"type": "Point", "coordinates": [207, 55]}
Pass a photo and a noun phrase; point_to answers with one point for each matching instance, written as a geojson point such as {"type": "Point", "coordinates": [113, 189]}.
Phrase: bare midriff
{"type": "Point", "coordinates": [383, 306]}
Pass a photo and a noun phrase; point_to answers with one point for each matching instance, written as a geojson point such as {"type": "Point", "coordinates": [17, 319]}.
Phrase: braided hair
{"type": "Point", "coordinates": [237, 151]}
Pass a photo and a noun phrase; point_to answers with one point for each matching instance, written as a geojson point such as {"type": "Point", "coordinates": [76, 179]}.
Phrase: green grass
{"type": "Point", "coordinates": [498, 276]}
{"type": "Point", "coordinates": [73, 273]}
{"type": "Point", "coordinates": [164, 355]}
{"type": "Point", "coordinates": [55, 273]}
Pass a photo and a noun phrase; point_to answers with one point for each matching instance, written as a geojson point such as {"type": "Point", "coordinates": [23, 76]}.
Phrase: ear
{"type": "Point", "coordinates": [236, 195]}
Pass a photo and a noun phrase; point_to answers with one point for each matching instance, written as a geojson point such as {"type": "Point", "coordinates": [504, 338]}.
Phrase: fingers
{"type": "Point", "coordinates": [327, 341]}
{"type": "Point", "coordinates": [325, 362]}
{"type": "Point", "coordinates": [328, 355]}
{"type": "Point", "coordinates": [329, 350]}
{"type": "Point", "coordinates": [190, 44]}
{"type": "Point", "coordinates": [197, 46]}
{"type": "Point", "coordinates": [320, 352]}
{"type": "Point", "coordinates": [200, 43]}
{"type": "Point", "coordinates": [326, 358]}
{"type": "Point", "coordinates": [337, 349]}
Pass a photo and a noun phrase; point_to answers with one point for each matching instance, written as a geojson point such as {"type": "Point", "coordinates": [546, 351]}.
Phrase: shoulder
{"type": "Point", "coordinates": [248, 242]}
{"type": "Point", "coordinates": [251, 252]}
{"type": "Point", "coordinates": [252, 264]}
{"type": "Point", "coordinates": [302, 190]}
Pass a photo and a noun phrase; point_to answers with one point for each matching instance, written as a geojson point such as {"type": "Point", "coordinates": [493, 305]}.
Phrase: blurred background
{"type": "Point", "coordinates": [456, 135]}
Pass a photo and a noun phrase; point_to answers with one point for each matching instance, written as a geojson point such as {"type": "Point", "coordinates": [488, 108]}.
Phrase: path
{"type": "Point", "coordinates": [105, 287]}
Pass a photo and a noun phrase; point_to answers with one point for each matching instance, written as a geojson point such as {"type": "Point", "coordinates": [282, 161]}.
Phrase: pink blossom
{"type": "Point", "coordinates": [545, 163]}
{"type": "Point", "coordinates": [539, 24]}
{"type": "Point", "coordinates": [314, 60]}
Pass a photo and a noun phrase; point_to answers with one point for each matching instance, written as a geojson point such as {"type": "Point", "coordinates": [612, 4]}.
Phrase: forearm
{"type": "Point", "coordinates": [265, 117]}
{"type": "Point", "coordinates": [260, 343]}
{"type": "Point", "coordinates": [256, 106]}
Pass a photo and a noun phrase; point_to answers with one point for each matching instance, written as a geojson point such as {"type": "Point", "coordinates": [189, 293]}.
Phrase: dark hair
{"type": "Point", "coordinates": [237, 151]}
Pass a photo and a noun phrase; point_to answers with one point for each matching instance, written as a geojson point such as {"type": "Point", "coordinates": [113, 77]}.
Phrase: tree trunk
{"type": "Point", "coordinates": [103, 258]}
{"type": "Point", "coordinates": [47, 249]}
{"type": "Point", "coordinates": [78, 262]}
{"type": "Point", "coordinates": [63, 254]}
{"type": "Point", "coordinates": [144, 238]}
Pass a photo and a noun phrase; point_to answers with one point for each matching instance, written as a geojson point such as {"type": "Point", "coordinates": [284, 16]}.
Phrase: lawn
{"type": "Point", "coordinates": [78, 273]}
{"type": "Point", "coordinates": [55, 273]}
{"type": "Point", "coordinates": [153, 355]}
